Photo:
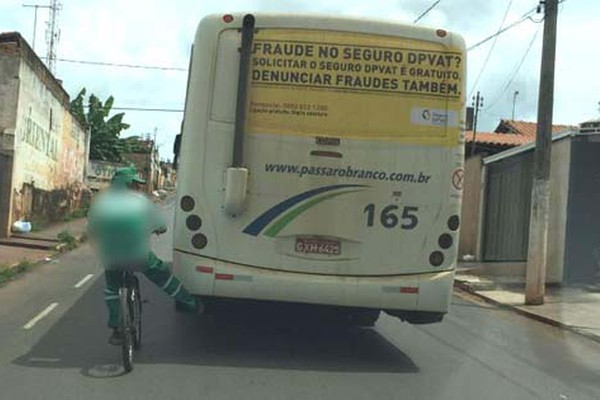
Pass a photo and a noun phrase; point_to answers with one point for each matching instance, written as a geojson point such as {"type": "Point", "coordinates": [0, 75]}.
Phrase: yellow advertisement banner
{"type": "Point", "coordinates": [313, 82]}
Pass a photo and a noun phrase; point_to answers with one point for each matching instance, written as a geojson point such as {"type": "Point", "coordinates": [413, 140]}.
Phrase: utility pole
{"type": "Point", "coordinates": [35, 7]}
{"type": "Point", "coordinates": [477, 103]}
{"type": "Point", "coordinates": [540, 191]}
{"type": "Point", "coordinates": [514, 104]}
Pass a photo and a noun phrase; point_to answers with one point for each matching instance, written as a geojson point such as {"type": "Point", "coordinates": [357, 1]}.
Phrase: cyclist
{"type": "Point", "coordinates": [121, 222]}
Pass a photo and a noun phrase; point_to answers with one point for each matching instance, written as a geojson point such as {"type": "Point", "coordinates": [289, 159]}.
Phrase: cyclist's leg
{"type": "Point", "coordinates": [111, 296]}
{"type": "Point", "coordinates": [160, 274]}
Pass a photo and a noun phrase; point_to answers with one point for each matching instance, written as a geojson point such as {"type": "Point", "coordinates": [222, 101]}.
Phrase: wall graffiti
{"type": "Point", "coordinates": [39, 138]}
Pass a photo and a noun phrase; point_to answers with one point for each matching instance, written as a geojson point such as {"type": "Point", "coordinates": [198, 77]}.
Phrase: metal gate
{"type": "Point", "coordinates": [507, 208]}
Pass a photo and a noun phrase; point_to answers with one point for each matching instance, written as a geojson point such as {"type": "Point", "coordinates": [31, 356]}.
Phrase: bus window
{"type": "Point", "coordinates": [226, 77]}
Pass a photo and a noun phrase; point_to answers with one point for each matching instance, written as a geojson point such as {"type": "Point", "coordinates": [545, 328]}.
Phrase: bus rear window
{"type": "Point", "coordinates": [226, 77]}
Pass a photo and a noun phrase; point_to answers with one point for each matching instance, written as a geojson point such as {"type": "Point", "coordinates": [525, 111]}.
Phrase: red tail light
{"type": "Point", "coordinates": [409, 290]}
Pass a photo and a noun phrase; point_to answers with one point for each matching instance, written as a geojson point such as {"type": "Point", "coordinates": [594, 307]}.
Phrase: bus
{"type": "Point", "coordinates": [321, 162]}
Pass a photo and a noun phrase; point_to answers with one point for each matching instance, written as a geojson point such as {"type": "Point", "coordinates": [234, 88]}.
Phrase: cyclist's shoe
{"type": "Point", "coordinates": [116, 338]}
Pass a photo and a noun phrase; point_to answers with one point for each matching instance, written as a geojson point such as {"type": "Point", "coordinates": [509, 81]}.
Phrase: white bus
{"type": "Point", "coordinates": [321, 162]}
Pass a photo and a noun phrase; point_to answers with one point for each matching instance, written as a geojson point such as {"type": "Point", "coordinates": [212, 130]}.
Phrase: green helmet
{"type": "Point", "coordinates": [125, 176]}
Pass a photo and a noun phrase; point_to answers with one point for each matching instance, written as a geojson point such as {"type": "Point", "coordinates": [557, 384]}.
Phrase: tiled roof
{"type": "Point", "coordinates": [511, 133]}
{"type": "Point", "coordinates": [527, 129]}
{"type": "Point", "coordinates": [498, 139]}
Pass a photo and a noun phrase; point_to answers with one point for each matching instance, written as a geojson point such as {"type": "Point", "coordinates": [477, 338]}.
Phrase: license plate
{"type": "Point", "coordinates": [318, 246]}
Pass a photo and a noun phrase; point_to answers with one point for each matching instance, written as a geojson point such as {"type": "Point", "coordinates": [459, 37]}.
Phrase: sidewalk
{"type": "Point", "coordinates": [41, 245]}
{"type": "Point", "coordinates": [37, 246]}
{"type": "Point", "coordinates": [574, 308]}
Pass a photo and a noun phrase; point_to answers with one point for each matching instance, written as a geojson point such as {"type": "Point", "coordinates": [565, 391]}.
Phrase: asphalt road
{"type": "Point", "coordinates": [53, 346]}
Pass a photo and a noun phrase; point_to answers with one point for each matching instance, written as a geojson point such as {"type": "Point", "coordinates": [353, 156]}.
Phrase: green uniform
{"type": "Point", "coordinates": [121, 222]}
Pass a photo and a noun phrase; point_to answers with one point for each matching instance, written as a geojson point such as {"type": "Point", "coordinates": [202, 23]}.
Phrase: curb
{"type": "Point", "coordinates": [79, 240]}
{"type": "Point", "coordinates": [59, 248]}
{"type": "Point", "coordinates": [540, 318]}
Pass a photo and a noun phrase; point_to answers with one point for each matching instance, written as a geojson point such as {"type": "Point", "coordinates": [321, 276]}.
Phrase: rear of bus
{"type": "Point", "coordinates": [349, 188]}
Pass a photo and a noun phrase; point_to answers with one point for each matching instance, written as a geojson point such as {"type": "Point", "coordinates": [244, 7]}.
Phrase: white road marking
{"type": "Point", "coordinates": [83, 281]}
{"type": "Point", "coordinates": [41, 315]}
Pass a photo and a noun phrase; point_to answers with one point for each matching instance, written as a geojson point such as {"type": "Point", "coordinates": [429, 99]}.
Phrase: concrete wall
{"type": "Point", "coordinates": [9, 95]}
{"type": "Point", "coordinates": [40, 125]}
{"type": "Point", "coordinates": [559, 201]}
{"type": "Point", "coordinates": [50, 147]}
{"type": "Point", "coordinates": [470, 217]}
{"type": "Point", "coordinates": [74, 152]}
{"type": "Point", "coordinates": [100, 173]}
{"type": "Point", "coordinates": [559, 193]}
{"type": "Point", "coordinates": [582, 255]}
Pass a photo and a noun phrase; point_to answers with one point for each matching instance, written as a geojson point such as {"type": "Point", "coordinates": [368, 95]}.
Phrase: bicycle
{"type": "Point", "coordinates": [130, 322]}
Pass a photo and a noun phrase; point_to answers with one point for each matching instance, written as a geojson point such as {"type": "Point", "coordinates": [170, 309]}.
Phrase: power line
{"type": "Point", "coordinates": [487, 58]}
{"type": "Point", "coordinates": [501, 31]}
{"type": "Point", "coordinates": [524, 17]}
{"type": "Point", "coordinates": [516, 69]}
{"type": "Point", "coordinates": [485, 111]}
{"type": "Point", "coordinates": [109, 64]}
{"type": "Point", "coordinates": [424, 13]}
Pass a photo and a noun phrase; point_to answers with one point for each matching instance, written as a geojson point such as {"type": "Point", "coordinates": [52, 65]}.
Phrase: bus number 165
{"type": "Point", "coordinates": [389, 216]}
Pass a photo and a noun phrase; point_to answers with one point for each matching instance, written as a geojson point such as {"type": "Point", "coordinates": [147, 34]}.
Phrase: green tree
{"type": "Point", "coordinates": [105, 142]}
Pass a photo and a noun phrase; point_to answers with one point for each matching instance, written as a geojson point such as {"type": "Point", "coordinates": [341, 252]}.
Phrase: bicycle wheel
{"type": "Point", "coordinates": [136, 312]}
{"type": "Point", "coordinates": [126, 331]}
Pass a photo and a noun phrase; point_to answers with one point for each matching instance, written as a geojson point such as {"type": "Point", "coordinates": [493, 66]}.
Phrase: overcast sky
{"type": "Point", "coordinates": [152, 32]}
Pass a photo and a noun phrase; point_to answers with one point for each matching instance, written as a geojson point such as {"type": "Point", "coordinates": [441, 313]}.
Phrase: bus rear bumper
{"type": "Point", "coordinates": [428, 294]}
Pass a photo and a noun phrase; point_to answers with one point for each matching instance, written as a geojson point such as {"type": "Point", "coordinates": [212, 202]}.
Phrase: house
{"type": "Point", "coordinates": [499, 232]}
{"type": "Point", "coordinates": [144, 156]}
{"type": "Point", "coordinates": [507, 135]}
{"type": "Point", "coordinates": [43, 147]}
{"type": "Point", "coordinates": [592, 126]}
{"type": "Point", "coordinates": [169, 175]}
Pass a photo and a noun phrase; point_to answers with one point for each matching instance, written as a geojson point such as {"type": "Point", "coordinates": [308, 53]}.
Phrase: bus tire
{"type": "Point", "coordinates": [417, 317]}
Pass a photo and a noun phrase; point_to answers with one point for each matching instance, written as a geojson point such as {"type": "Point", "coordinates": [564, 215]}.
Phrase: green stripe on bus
{"type": "Point", "coordinates": [285, 219]}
